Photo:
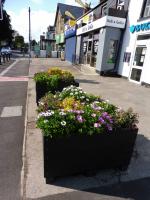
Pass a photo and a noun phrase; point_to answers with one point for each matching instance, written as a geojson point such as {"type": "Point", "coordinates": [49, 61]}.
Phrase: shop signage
{"type": "Point", "coordinates": [102, 22]}
{"type": "Point", "coordinates": [70, 32]}
{"type": "Point", "coordinates": [140, 27]}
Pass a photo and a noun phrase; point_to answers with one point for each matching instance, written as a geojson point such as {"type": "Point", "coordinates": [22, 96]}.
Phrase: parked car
{"type": "Point", "coordinates": [5, 50]}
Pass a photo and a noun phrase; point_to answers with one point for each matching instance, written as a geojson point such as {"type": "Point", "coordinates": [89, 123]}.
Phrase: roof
{"type": "Point", "coordinates": [74, 10]}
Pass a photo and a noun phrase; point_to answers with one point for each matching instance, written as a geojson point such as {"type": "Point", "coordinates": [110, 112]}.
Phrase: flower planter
{"type": "Point", "coordinates": [84, 153]}
{"type": "Point", "coordinates": [42, 89]}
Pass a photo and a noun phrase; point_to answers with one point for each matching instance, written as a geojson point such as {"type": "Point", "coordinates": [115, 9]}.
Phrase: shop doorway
{"type": "Point", "coordinates": [138, 62]}
{"type": "Point", "coordinates": [90, 49]}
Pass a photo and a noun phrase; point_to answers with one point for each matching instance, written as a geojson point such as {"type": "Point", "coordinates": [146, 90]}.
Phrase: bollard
{"type": "Point", "coordinates": [0, 60]}
{"type": "Point", "coordinates": [7, 58]}
{"type": "Point", "coordinates": [3, 58]}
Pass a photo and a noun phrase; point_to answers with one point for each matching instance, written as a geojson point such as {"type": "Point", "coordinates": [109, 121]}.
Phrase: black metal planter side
{"type": "Point", "coordinates": [81, 154]}
{"type": "Point", "coordinates": [42, 89]}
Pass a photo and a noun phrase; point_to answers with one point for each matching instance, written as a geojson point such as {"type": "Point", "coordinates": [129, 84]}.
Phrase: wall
{"type": "Point", "coordinates": [78, 48]}
{"type": "Point", "coordinates": [108, 34]}
{"type": "Point", "coordinates": [70, 48]}
{"type": "Point", "coordinates": [129, 40]}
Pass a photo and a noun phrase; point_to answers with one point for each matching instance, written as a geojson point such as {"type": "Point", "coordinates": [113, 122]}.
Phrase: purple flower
{"type": "Point", "coordinates": [109, 127]}
{"type": "Point", "coordinates": [80, 118]}
{"type": "Point", "coordinates": [101, 120]}
{"type": "Point", "coordinates": [104, 114]}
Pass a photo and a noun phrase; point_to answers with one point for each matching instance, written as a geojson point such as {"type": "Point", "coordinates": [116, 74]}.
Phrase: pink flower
{"type": "Point", "coordinates": [93, 115]}
{"type": "Point", "coordinates": [96, 125]}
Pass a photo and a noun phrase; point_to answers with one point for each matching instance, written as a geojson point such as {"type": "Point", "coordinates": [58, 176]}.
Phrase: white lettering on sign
{"type": "Point", "coordinates": [102, 22]}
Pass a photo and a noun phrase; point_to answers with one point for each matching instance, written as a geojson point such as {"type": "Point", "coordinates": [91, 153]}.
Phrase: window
{"type": "Point", "coordinates": [140, 56]}
{"type": "Point", "coordinates": [112, 52]}
{"type": "Point", "coordinates": [146, 9]}
{"type": "Point", "coordinates": [127, 56]}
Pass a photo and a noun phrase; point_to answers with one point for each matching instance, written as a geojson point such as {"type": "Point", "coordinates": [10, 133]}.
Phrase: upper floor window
{"type": "Point", "coordinates": [146, 9]}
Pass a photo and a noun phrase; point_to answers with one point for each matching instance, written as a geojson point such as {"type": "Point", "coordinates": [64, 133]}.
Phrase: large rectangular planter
{"type": "Point", "coordinates": [42, 89]}
{"type": "Point", "coordinates": [83, 153]}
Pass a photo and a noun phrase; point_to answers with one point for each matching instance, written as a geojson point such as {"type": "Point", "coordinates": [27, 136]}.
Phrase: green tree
{"type": "Point", "coordinates": [19, 42]}
{"type": "Point", "coordinates": [6, 32]}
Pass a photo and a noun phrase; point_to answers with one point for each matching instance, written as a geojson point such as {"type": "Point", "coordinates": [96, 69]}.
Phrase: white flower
{"type": "Point", "coordinates": [87, 99]}
{"type": "Point", "coordinates": [81, 91]}
{"type": "Point", "coordinates": [41, 103]}
{"type": "Point", "coordinates": [76, 92]}
{"type": "Point", "coordinates": [45, 121]}
{"type": "Point", "coordinates": [62, 113]}
{"type": "Point", "coordinates": [71, 93]}
{"type": "Point", "coordinates": [106, 100]}
{"type": "Point", "coordinates": [63, 123]}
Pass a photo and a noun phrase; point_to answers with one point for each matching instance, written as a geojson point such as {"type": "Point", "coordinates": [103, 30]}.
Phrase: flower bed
{"type": "Point", "coordinates": [52, 80]}
{"type": "Point", "coordinates": [83, 132]}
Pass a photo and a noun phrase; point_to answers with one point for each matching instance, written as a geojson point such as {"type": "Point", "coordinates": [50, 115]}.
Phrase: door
{"type": "Point", "coordinates": [138, 62]}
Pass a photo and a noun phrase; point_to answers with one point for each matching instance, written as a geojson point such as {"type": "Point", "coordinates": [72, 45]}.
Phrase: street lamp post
{"type": "Point", "coordinates": [29, 34]}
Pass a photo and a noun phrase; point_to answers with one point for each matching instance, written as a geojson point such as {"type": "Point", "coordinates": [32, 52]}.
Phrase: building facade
{"type": "Point", "coordinates": [99, 35]}
{"type": "Point", "coordinates": [61, 19]}
{"type": "Point", "coordinates": [135, 53]}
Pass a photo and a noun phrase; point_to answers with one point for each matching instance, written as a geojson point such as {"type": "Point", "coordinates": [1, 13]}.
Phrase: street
{"type": "Point", "coordinates": [13, 91]}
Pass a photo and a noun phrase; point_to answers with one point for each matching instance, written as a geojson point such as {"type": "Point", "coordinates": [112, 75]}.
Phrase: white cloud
{"type": "Point", "coordinates": [72, 2]}
{"type": "Point", "coordinates": [40, 20]}
{"type": "Point", "coordinates": [37, 1]}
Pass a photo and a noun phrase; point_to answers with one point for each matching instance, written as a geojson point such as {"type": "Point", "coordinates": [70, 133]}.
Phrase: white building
{"type": "Point", "coordinates": [134, 62]}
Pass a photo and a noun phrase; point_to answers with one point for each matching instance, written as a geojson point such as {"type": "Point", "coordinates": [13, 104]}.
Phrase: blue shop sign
{"type": "Point", "coordinates": [70, 32]}
{"type": "Point", "coordinates": [140, 27]}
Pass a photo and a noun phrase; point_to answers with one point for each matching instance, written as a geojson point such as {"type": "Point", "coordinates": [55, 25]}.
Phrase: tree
{"type": "Point", "coordinates": [33, 43]}
{"type": "Point", "coordinates": [6, 32]}
{"type": "Point", "coordinates": [19, 42]}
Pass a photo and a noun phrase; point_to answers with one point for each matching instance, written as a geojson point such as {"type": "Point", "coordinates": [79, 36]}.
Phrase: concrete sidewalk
{"type": "Point", "coordinates": [118, 91]}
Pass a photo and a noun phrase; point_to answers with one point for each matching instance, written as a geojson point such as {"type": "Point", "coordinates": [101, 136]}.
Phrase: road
{"type": "Point", "coordinates": [13, 92]}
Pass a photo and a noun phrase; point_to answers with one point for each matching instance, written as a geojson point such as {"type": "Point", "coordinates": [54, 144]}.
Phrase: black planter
{"type": "Point", "coordinates": [82, 154]}
{"type": "Point", "coordinates": [42, 89]}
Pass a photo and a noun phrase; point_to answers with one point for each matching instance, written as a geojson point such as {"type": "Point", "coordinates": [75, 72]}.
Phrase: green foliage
{"type": "Point", "coordinates": [63, 114]}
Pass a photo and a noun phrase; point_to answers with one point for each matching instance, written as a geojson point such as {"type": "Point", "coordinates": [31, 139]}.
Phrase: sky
{"type": "Point", "coordinates": [42, 15]}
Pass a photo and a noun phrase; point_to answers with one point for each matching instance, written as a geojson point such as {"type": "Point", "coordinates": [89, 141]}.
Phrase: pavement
{"type": "Point", "coordinates": [12, 122]}
{"type": "Point", "coordinates": [110, 184]}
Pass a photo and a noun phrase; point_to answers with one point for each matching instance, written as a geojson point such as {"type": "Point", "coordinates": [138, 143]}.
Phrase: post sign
{"type": "Point", "coordinates": [1, 11]}
{"type": "Point", "coordinates": [140, 27]}
{"type": "Point", "coordinates": [102, 22]}
{"type": "Point", "coordinates": [70, 32]}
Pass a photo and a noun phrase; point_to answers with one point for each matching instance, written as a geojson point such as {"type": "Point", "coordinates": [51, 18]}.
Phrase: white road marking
{"type": "Point", "coordinates": [12, 111]}
{"type": "Point", "coordinates": [8, 68]}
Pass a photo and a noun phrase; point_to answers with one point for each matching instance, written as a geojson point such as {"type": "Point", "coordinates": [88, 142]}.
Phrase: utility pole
{"type": "Point", "coordinates": [29, 34]}
{"type": "Point", "coordinates": [1, 10]}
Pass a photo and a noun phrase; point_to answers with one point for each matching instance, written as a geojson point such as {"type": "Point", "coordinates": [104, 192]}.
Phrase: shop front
{"type": "Point", "coordinates": [139, 69]}
{"type": "Point", "coordinates": [98, 42]}
{"type": "Point", "coordinates": [70, 46]}
{"type": "Point", "coordinates": [60, 43]}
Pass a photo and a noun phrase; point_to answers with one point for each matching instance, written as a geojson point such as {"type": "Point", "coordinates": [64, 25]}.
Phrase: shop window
{"type": "Point", "coordinates": [95, 49]}
{"type": "Point", "coordinates": [84, 47]}
{"type": "Point", "coordinates": [127, 56]}
{"type": "Point", "coordinates": [139, 56]}
{"type": "Point", "coordinates": [112, 52]}
{"type": "Point", "coordinates": [146, 9]}
{"type": "Point", "coordinates": [89, 45]}
{"type": "Point", "coordinates": [104, 10]}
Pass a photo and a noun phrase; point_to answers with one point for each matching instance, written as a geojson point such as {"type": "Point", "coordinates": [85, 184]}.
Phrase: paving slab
{"type": "Point", "coordinates": [120, 92]}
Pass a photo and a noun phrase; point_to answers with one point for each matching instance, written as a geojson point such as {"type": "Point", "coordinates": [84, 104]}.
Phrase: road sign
{"type": "Point", "coordinates": [1, 11]}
